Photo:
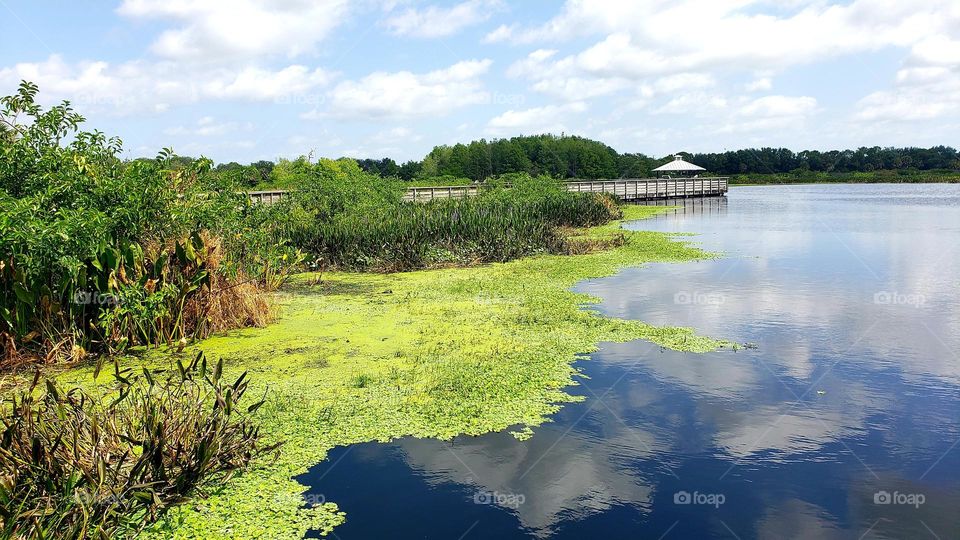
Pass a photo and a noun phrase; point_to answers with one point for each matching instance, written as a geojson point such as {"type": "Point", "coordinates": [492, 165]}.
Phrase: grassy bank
{"type": "Point", "coordinates": [875, 177]}
{"type": "Point", "coordinates": [436, 353]}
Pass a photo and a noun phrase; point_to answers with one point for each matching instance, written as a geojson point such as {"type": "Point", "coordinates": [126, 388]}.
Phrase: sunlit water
{"type": "Point", "coordinates": [843, 422]}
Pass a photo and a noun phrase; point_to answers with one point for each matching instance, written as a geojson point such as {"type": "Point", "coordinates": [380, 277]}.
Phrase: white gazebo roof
{"type": "Point", "coordinates": [678, 164]}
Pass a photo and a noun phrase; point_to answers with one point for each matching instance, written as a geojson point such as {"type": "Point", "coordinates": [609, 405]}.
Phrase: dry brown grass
{"type": "Point", "coordinates": [227, 306]}
{"type": "Point", "coordinates": [576, 243]}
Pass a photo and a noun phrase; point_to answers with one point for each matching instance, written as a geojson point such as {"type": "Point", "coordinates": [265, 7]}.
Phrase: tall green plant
{"type": "Point", "coordinates": [73, 465]}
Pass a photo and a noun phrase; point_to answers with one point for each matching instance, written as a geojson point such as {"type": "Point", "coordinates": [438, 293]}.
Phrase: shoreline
{"type": "Point", "coordinates": [733, 183]}
{"type": "Point", "coordinates": [431, 353]}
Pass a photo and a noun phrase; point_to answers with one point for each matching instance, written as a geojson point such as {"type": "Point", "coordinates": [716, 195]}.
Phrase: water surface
{"type": "Point", "coordinates": [842, 422]}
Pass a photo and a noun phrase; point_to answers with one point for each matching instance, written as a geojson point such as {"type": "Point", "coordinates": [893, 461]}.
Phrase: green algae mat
{"type": "Point", "coordinates": [434, 353]}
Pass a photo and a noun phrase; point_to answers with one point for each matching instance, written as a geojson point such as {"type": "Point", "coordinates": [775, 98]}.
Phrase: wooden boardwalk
{"type": "Point", "coordinates": [629, 189]}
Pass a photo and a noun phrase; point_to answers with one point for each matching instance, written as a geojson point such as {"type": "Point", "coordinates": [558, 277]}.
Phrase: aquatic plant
{"type": "Point", "coordinates": [76, 465]}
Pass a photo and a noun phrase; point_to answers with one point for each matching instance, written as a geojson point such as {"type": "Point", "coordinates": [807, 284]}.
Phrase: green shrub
{"type": "Point", "coordinates": [76, 220]}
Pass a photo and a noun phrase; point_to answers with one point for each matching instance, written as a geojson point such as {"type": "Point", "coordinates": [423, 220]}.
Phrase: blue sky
{"type": "Point", "coordinates": [257, 79]}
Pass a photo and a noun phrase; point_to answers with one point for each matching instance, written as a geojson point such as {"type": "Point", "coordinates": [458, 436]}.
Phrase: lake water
{"type": "Point", "coordinates": [843, 422]}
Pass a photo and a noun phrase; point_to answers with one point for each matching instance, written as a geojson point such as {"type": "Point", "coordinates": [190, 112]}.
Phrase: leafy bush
{"type": "Point", "coordinates": [74, 465]}
{"type": "Point", "coordinates": [97, 254]}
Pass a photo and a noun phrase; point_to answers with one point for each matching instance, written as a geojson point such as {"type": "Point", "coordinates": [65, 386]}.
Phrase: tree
{"type": "Point", "coordinates": [409, 170]}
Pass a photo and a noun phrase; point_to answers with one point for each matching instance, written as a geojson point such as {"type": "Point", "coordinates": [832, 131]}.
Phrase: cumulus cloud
{"type": "Point", "coordinates": [546, 119]}
{"type": "Point", "coordinates": [926, 88]}
{"type": "Point", "coordinates": [693, 103]}
{"type": "Point", "coordinates": [404, 94]}
{"type": "Point", "coordinates": [636, 47]}
{"type": "Point", "coordinates": [759, 85]}
{"type": "Point", "coordinates": [138, 86]}
{"type": "Point", "coordinates": [207, 126]}
{"type": "Point", "coordinates": [639, 40]}
{"type": "Point", "coordinates": [219, 29]}
{"type": "Point", "coordinates": [501, 33]}
{"type": "Point", "coordinates": [434, 21]}
{"type": "Point", "coordinates": [725, 30]}
{"type": "Point", "coordinates": [769, 113]}
{"type": "Point", "coordinates": [779, 106]}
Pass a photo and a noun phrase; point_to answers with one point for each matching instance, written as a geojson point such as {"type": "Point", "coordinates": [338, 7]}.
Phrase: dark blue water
{"type": "Point", "coordinates": [843, 422]}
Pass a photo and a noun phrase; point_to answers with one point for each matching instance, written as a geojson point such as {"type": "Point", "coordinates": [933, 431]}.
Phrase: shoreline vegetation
{"type": "Point", "coordinates": [468, 325]}
{"type": "Point", "coordinates": [873, 177]}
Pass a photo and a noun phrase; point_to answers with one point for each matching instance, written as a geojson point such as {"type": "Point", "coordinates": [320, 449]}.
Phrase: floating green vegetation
{"type": "Point", "coordinates": [433, 353]}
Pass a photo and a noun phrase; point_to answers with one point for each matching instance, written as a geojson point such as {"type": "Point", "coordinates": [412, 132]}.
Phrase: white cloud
{"type": "Point", "coordinates": [934, 100]}
{"type": "Point", "coordinates": [769, 113]}
{"type": "Point", "coordinates": [759, 85]}
{"type": "Point", "coordinates": [546, 119]}
{"type": "Point", "coordinates": [207, 126]}
{"type": "Point", "coordinates": [404, 94]}
{"type": "Point", "coordinates": [501, 33]}
{"type": "Point", "coordinates": [683, 81]}
{"type": "Point", "coordinates": [778, 106]}
{"type": "Point", "coordinates": [395, 135]}
{"type": "Point", "coordinates": [141, 86]}
{"type": "Point", "coordinates": [927, 88]}
{"type": "Point", "coordinates": [578, 88]}
{"type": "Point", "coordinates": [640, 40]}
{"type": "Point", "coordinates": [434, 21]}
{"type": "Point", "coordinates": [220, 29]}
{"type": "Point", "coordinates": [693, 103]}
{"type": "Point", "coordinates": [732, 29]}
{"type": "Point", "coordinates": [937, 50]}
{"type": "Point", "coordinates": [262, 84]}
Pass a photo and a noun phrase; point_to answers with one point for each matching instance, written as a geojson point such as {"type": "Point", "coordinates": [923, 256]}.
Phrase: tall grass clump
{"type": "Point", "coordinates": [73, 465]}
{"type": "Point", "coordinates": [360, 222]}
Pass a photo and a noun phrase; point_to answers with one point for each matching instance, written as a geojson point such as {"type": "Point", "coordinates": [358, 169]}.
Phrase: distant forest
{"type": "Point", "coordinates": [578, 157]}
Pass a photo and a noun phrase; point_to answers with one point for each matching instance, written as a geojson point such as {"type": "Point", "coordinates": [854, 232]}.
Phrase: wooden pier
{"type": "Point", "coordinates": [649, 189]}
{"type": "Point", "coordinates": [629, 189]}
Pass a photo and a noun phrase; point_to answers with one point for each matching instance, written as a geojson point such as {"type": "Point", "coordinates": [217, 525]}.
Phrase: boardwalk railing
{"type": "Point", "coordinates": [644, 189]}
{"type": "Point", "coordinates": [629, 189]}
{"type": "Point", "coordinates": [267, 197]}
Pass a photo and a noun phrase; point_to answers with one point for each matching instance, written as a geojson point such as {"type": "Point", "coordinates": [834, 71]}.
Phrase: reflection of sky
{"type": "Point", "coordinates": [843, 396]}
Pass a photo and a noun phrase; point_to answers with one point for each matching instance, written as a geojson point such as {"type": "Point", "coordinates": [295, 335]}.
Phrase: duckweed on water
{"type": "Point", "coordinates": [436, 353]}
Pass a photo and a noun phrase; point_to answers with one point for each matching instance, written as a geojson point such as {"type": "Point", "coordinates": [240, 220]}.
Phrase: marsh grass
{"type": "Point", "coordinates": [383, 233]}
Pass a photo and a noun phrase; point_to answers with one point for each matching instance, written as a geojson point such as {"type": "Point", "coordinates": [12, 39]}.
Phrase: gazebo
{"type": "Point", "coordinates": [678, 166]}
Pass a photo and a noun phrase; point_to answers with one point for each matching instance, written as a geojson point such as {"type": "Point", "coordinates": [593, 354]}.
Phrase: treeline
{"type": "Point", "coordinates": [577, 157]}
{"type": "Point", "coordinates": [566, 157]}
{"type": "Point", "coordinates": [862, 160]}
